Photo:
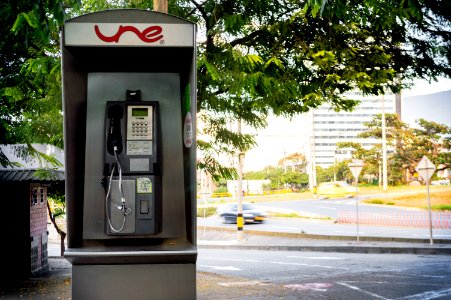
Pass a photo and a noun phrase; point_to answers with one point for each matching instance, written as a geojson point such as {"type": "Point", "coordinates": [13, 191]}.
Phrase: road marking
{"type": "Point", "coordinates": [362, 291]}
{"type": "Point", "coordinates": [346, 202]}
{"type": "Point", "coordinates": [285, 227]}
{"type": "Point", "coordinates": [325, 207]}
{"type": "Point", "coordinates": [428, 295]}
{"type": "Point", "coordinates": [276, 263]}
{"type": "Point", "coordinates": [428, 276]}
{"type": "Point", "coordinates": [242, 283]}
{"type": "Point", "coordinates": [316, 257]}
{"type": "Point", "coordinates": [375, 282]}
{"type": "Point", "coordinates": [319, 286]}
{"type": "Point", "coordinates": [350, 232]}
{"type": "Point", "coordinates": [306, 265]}
{"type": "Point", "coordinates": [228, 268]}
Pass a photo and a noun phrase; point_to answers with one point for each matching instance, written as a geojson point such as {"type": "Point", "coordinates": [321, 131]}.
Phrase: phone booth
{"type": "Point", "coordinates": [129, 89]}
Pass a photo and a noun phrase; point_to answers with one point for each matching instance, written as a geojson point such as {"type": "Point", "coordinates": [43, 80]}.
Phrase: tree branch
{"type": "Point", "coordinates": [245, 39]}
{"type": "Point", "coordinates": [202, 12]}
{"type": "Point", "coordinates": [60, 232]}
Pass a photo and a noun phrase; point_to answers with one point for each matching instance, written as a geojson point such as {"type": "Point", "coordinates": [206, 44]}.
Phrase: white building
{"type": "Point", "coordinates": [329, 128]}
{"type": "Point", "coordinates": [255, 187]}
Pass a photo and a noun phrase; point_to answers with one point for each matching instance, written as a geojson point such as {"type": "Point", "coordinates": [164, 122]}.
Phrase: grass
{"type": "Point", "coordinates": [209, 211]}
{"type": "Point", "coordinates": [295, 215]}
{"type": "Point", "coordinates": [375, 201]}
{"type": "Point", "coordinates": [441, 207]}
{"type": "Point", "coordinates": [374, 189]}
{"type": "Point", "coordinates": [440, 199]}
{"type": "Point", "coordinates": [415, 197]}
{"type": "Point", "coordinates": [266, 198]}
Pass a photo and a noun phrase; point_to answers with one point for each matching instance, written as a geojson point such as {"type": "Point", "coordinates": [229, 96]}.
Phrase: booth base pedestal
{"type": "Point", "coordinates": [140, 281]}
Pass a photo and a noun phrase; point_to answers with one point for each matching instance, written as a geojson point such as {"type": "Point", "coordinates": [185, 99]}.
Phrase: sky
{"type": "Point", "coordinates": [284, 136]}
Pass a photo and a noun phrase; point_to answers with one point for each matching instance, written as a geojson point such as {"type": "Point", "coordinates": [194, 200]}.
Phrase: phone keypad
{"type": "Point", "coordinates": [140, 129]}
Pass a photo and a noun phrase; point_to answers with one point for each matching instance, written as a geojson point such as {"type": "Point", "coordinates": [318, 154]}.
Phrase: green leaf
{"type": "Point", "coordinates": [274, 61]}
{"type": "Point", "coordinates": [211, 69]}
{"type": "Point", "coordinates": [21, 18]}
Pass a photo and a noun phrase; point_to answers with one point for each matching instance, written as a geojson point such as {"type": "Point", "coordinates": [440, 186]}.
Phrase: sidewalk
{"type": "Point", "coordinates": [224, 238]}
{"type": "Point", "coordinates": [301, 228]}
{"type": "Point", "coordinates": [57, 283]}
{"type": "Point", "coordinates": [313, 235]}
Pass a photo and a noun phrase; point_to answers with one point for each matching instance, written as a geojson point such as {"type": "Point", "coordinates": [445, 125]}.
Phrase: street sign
{"type": "Point", "coordinates": [425, 168]}
{"type": "Point", "coordinates": [356, 167]}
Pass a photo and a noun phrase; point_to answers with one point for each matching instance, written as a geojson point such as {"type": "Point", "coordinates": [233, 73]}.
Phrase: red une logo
{"type": "Point", "coordinates": [151, 34]}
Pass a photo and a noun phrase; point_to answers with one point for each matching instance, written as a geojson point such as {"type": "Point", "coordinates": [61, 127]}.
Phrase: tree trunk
{"type": "Point", "coordinates": [60, 232]}
{"type": "Point", "coordinates": [160, 6]}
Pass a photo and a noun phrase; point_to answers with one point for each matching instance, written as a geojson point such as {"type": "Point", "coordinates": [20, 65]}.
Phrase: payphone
{"type": "Point", "coordinates": [130, 157]}
{"type": "Point", "coordinates": [131, 170]}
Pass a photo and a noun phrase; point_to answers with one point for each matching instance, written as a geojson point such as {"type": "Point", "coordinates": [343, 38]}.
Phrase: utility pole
{"type": "Point", "coordinates": [384, 148]}
{"type": "Point", "coordinates": [160, 6]}
{"type": "Point", "coordinates": [398, 99]}
{"type": "Point", "coordinates": [312, 182]}
{"type": "Point", "coordinates": [335, 172]}
{"type": "Point", "coordinates": [239, 192]}
{"type": "Point", "coordinates": [356, 167]}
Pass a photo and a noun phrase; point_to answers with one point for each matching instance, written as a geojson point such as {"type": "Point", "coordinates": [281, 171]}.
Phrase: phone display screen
{"type": "Point", "coordinates": [139, 112]}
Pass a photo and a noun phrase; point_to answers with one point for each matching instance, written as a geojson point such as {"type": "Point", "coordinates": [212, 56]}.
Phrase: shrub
{"type": "Point", "coordinates": [441, 207]}
{"type": "Point", "coordinates": [209, 211]}
{"type": "Point", "coordinates": [375, 201]}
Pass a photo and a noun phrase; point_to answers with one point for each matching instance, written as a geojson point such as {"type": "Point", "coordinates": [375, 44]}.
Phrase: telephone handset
{"type": "Point", "coordinates": [115, 114]}
{"type": "Point", "coordinates": [133, 200]}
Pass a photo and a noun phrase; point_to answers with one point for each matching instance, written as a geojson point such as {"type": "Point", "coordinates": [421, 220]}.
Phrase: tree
{"type": "Point", "coordinates": [30, 83]}
{"type": "Point", "coordinates": [294, 180]}
{"type": "Point", "coordinates": [409, 144]}
{"type": "Point", "coordinates": [435, 139]}
{"type": "Point", "coordinates": [285, 57]}
{"type": "Point", "coordinates": [56, 194]}
{"type": "Point", "coordinates": [274, 174]}
{"type": "Point", "coordinates": [295, 161]}
{"type": "Point", "coordinates": [30, 80]}
{"type": "Point", "coordinates": [372, 158]}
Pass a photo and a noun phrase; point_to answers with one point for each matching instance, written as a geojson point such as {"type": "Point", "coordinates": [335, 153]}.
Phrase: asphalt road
{"type": "Point", "coordinates": [319, 227]}
{"type": "Point", "coordinates": [313, 275]}
{"type": "Point", "coordinates": [331, 207]}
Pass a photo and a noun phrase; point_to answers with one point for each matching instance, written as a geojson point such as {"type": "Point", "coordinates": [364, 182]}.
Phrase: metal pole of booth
{"type": "Point", "coordinates": [160, 6]}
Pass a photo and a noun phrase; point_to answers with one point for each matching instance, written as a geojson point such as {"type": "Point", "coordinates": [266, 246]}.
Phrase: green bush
{"type": "Point", "coordinates": [441, 207]}
{"type": "Point", "coordinates": [221, 189]}
{"type": "Point", "coordinates": [209, 211]}
{"type": "Point", "coordinates": [375, 201]}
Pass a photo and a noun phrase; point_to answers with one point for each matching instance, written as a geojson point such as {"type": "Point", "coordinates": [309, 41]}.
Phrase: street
{"type": "Point", "coordinates": [314, 275]}
{"type": "Point", "coordinates": [331, 207]}
{"type": "Point", "coordinates": [327, 227]}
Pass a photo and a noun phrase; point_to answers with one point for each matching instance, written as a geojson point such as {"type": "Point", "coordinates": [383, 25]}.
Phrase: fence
{"type": "Point", "coordinates": [441, 220]}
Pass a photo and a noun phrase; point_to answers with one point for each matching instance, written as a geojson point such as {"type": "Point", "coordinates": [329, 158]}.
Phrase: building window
{"type": "Point", "coordinates": [44, 256]}
{"type": "Point", "coordinates": [42, 195]}
{"type": "Point", "coordinates": [34, 197]}
{"type": "Point", "coordinates": [34, 258]}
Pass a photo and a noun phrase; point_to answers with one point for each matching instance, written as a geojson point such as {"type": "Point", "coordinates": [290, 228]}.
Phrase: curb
{"type": "Point", "coordinates": [426, 250]}
{"type": "Point", "coordinates": [328, 237]}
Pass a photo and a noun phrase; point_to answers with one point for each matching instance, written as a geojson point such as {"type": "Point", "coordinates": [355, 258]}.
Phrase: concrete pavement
{"type": "Point", "coordinates": [314, 235]}
{"type": "Point", "coordinates": [57, 283]}
{"type": "Point", "coordinates": [328, 229]}
{"type": "Point", "coordinates": [222, 238]}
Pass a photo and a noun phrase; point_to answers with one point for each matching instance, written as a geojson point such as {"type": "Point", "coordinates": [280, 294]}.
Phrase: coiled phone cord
{"type": "Point", "coordinates": [120, 206]}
